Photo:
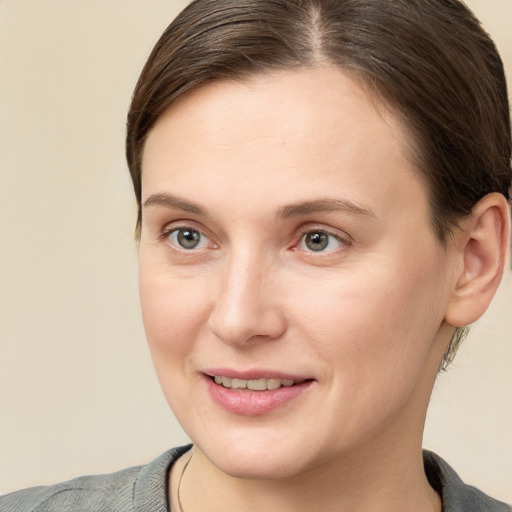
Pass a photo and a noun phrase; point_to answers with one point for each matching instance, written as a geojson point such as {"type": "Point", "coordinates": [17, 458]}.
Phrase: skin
{"type": "Point", "coordinates": [367, 320]}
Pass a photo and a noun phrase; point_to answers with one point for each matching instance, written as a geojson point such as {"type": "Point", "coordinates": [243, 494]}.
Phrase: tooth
{"type": "Point", "coordinates": [238, 384]}
{"type": "Point", "coordinates": [273, 383]}
{"type": "Point", "coordinates": [226, 382]}
{"type": "Point", "coordinates": [257, 385]}
{"type": "Point", "coordinates": [254, 385]}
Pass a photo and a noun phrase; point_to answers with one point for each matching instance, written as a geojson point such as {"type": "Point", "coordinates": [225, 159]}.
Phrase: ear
{"type": "Point", "coordinates": [482, 248]}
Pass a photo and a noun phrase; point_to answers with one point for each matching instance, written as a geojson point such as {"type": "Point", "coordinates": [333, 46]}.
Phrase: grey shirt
{"type": "Point", "coordinates": [144, 489]}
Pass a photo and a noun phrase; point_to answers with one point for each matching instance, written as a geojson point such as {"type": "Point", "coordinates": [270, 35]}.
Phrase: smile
{"type": "Point", "coordinates": [254, 396]}
{"type": "Point", "coordinates": [254, 385]}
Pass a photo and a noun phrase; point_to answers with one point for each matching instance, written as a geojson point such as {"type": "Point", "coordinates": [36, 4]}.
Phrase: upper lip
{"type": "Point", "coordinates": [253, 374]}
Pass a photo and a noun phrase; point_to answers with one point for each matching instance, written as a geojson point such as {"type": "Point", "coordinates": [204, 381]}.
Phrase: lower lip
{"type": "Point", "coordinates": [254, 403]}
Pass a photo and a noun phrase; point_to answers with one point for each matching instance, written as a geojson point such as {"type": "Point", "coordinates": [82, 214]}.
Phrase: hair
{"type": "Point", "coordinates": [430, 60]}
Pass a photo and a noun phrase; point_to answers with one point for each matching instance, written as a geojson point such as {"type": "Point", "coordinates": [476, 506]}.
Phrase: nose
{"type": "Point", "coordinates": [247, 304]}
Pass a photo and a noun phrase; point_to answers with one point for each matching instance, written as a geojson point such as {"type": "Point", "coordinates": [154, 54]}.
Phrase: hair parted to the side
{"type": "Point", "coordinates": [431, 60]}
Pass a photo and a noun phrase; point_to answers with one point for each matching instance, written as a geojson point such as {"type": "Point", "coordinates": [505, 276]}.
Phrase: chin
{"type": "Point", "coordinates": [264, 455]}
{"type": "Point", "coordinates": [266, 465]}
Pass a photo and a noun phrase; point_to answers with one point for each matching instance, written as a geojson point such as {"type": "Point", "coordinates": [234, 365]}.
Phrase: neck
{"type": "Point", "coordinates": [367, 484]}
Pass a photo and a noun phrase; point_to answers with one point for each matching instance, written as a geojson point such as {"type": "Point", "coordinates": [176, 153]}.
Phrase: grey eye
{"type": "Point", "coordinates": [320, 241]}
{"type": "Point", "coordinates": [316, 241]}
{"type": "Point", "coordinates": [187, 238]}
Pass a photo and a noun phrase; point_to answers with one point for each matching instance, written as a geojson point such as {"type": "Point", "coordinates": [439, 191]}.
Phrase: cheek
{"type": "Point", "coordinates": [381, 321]}
{"type": "Point", "coordinates": [173, 313]}
{"type": "Point", "coordinates": [173, 310]}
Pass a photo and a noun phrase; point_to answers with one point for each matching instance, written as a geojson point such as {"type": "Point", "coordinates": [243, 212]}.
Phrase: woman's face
{"type": "Point", "coordinates": [286, 240]}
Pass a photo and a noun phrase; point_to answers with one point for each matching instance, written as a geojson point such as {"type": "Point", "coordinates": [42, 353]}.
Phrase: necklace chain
{"type": "Point", "coordinates": [179, 483]}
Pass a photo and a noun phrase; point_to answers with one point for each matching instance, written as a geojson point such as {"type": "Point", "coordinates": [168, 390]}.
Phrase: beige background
{"type": "Point", "coordinates": [77, 390]}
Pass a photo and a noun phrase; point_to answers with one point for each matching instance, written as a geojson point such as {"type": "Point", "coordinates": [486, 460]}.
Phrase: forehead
{"type": "Point", "coordinates": [293, 98]}
{"type": "Point", "coordinates": [314, 126]}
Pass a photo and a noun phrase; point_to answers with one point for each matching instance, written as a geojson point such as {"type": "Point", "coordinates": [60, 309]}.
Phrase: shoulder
{"type": "Point", "coordinates": [94, 492]}
{"type": "Point", "coordinates": [456, 495]}
{"type": "Point", "coordinates": [136, 489]}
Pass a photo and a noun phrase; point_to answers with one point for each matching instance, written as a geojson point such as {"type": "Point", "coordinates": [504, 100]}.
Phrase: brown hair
{"type": "Point", "coordinates": [430, 59]}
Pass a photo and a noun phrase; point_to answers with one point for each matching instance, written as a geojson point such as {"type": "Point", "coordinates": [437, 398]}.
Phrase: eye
{"type": "Point", "coordinates": [187, 238]}
{"type": "Point", "coordinates": [320, 241]}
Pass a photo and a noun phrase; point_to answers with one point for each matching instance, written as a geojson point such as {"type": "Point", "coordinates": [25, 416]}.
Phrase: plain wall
{"type": "Point", "coordinates": [77, 389]}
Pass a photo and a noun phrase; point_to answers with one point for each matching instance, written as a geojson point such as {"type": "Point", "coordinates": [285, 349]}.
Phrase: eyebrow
{"type": "Point", "coordinates": [292, 210]}
{"type": "Point", "coordinates": [170, 201]}
{"type": "Point", "coordinates": [323, 205]}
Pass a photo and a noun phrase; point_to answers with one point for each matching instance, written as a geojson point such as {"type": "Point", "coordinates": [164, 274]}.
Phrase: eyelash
{"type": "Point", "coordinates": [167, 233]}
{"type": "Point", "coordinates": [342, 242]}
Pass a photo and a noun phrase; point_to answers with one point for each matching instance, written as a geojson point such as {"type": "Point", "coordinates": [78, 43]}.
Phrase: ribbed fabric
{"type": "Point", "coordinates": [455, 494]}
{"type": "Point", "coordinates": [144, 489]}
{"type": "Point", "coordinates": [137, 489]}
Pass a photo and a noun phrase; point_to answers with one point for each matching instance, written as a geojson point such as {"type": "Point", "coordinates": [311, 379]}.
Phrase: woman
{"type": "Point", "coordinates": [323, 194]}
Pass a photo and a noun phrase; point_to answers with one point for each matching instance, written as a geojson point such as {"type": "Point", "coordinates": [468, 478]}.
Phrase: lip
{"type": "Point", "coordinates": [253, 403]}
{"type": "Point", "coordinates": [253, 374]}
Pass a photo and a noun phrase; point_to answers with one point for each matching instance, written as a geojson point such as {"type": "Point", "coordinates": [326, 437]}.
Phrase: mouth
{"type": "Point", "coordinates": [252, 393]}
{"type": "Point", "coordinates": [254, 384]}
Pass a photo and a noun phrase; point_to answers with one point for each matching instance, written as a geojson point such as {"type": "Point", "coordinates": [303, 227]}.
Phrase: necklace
{"type": "Point", "coordinates": [179, 483]}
